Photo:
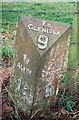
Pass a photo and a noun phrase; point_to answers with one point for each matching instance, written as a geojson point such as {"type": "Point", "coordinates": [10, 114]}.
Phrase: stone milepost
{"type": "Point", "coordinates": [39, 57]}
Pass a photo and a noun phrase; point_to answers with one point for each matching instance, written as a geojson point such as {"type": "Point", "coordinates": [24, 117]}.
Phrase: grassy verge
{"type": "Point", "coordinates": [66, 107]}
{"type": "Point", "coordinates": [12, 17]}
{"type": "Point", "coordinates": [9, 19]}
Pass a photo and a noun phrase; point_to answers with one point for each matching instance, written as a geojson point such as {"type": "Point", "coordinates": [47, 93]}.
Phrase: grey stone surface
{"type": "Point", "coordinates": [38, 62]}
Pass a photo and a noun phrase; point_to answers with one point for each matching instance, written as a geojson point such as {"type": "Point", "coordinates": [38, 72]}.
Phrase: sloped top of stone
{"type": "Point", "coordinates": [36, 27]}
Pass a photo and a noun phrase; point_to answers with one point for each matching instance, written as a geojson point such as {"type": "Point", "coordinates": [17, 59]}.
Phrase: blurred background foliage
{"type": "Point", "coordinates": [10, 19]}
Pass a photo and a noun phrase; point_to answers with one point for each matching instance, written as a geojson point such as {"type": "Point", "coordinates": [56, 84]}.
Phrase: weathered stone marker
{"type": "Point", "coordinates": [38, 61]}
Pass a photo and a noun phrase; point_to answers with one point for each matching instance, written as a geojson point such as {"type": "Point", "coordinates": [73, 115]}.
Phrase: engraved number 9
{"type": "Point", "coordinates": [42, 40]}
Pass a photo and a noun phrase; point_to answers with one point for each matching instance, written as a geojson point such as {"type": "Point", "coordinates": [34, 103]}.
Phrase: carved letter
{"type": "Point", "coordinates": [42, 40]}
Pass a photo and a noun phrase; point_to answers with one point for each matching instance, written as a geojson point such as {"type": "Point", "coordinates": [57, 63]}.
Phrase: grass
{"type": "Point", "coordinates": [11, 18]}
